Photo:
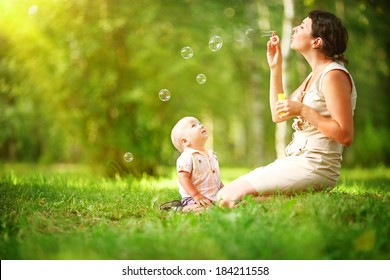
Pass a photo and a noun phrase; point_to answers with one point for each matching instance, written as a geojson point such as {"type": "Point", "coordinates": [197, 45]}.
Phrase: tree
{"type": "Point", "coordinates": [79, 79]}
{"type": "Point", "coordinates": [281, 128]}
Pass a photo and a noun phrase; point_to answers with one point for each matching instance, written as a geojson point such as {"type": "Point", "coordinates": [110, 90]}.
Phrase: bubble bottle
{"type": "Point", "coordinates": [281, 96]}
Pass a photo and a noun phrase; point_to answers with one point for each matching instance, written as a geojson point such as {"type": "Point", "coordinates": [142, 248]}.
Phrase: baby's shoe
{"type": "Point", "coordinates": [174, 205]}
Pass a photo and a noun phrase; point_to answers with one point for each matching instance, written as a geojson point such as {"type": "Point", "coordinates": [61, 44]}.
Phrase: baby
{"type": "Point", "coordinates": [197, 167]}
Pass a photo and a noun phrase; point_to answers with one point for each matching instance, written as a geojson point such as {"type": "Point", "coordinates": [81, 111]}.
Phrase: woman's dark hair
{"type": "Point", "coordinates": [333, 33]}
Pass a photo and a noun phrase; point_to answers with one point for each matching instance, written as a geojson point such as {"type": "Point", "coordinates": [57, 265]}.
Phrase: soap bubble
{"type": "Point", "coordinates": [187, 52]}
{"type": "Point", "coordinates": [215, 43]}
{"type": "Point", "coordinates": [267, 33]}
{"type": "Point", "coordinates": [33, 10]}
{"type": "Point", "coordinates": [201, 79]}
{"type": "Point", "coordinates": [250, 33]}
{"type": "Point", "coordinates": [164, 94]}
{"type": "Point", "coordinates": [229, 12]}
{"type": "Point", "coordinates": [128, 157]}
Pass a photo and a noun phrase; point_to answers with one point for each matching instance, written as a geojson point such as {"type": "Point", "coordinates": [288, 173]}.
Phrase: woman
{"type": "Point", "coordinates": [323, 107]}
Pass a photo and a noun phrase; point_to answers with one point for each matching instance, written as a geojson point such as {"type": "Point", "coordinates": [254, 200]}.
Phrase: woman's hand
{"type": "Point", "coordinates": [288, 108]}
{"type": "Point", "coordinates": [274, 52]}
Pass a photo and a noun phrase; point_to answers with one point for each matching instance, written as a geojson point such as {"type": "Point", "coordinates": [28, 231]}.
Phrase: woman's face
{"type": "Point", "coordinates": [302, 38]}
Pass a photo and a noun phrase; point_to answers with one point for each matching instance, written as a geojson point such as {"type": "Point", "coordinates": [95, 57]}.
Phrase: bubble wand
{"type": "Point", "coordinates": [272, 34]}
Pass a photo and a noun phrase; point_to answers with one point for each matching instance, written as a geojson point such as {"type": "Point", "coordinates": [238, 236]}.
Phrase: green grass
{"type": "Point", "coordinates": [48, 214]}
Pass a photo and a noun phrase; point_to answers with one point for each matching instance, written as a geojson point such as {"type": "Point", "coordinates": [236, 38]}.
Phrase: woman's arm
{"type": "Point", "coordinates": [337, 89]}
{"type": "Point", "coordinates": [337, 92]}
{"type": "Point", "coordinates": [275, 60]}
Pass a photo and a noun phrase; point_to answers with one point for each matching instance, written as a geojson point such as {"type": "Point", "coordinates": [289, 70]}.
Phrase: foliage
{"type": "Point", "coordinates": [79, 79]}
{"type": "Point", "coordinates": [48, 214]}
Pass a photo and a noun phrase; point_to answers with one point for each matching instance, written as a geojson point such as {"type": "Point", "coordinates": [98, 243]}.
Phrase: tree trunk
{"type": "Point", "coordinates": [258, 93]}
{"type": "Point", "coordinates": [281, 128]}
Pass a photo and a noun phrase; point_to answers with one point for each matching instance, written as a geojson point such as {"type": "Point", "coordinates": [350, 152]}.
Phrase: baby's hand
{"type": "Point", "coordinates": [202, 200]}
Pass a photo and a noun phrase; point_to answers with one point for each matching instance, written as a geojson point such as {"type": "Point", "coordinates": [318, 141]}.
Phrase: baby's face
{"type": "Point", "coordinates": [194, 132]}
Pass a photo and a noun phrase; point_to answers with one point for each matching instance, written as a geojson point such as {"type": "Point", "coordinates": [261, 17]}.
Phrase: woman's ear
{"type": "Point", "coordinates": [317, 43]}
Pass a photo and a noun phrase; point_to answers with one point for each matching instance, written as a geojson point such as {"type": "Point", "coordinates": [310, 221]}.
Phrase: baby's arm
{"type": "Point", "coordinates": [186, 182]}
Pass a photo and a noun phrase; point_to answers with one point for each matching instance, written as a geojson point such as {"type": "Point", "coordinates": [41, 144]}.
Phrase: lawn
{"type": "Point", "coordinates": [62, 213]}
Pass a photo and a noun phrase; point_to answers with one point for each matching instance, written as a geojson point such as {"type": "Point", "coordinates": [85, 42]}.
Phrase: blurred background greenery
{"type": "Point", "coordinates": [79, 79]}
